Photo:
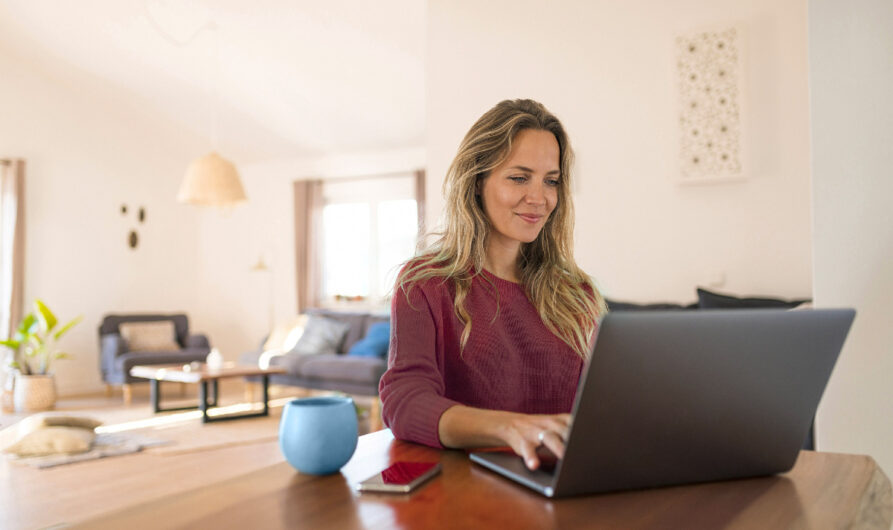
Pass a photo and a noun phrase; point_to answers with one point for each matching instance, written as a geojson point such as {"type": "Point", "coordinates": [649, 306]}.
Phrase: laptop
{"type": "Point", "coordinates": [680, 397]}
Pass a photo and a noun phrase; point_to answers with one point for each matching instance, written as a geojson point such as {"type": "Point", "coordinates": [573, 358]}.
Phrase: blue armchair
{"type": "Point", "coordinates": [115, 361]}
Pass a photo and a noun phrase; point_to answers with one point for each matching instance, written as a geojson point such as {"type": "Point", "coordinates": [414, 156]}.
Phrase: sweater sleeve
{"type": "Point", "coordinates": [412, 389]}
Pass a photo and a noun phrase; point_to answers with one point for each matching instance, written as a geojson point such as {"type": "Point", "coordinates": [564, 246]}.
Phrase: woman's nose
{"type": "Point", "coordinates": [536, 194]}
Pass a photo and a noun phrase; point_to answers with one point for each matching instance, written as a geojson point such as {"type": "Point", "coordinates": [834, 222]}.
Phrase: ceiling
{"type": "Point", "coordinates": [294, 78]}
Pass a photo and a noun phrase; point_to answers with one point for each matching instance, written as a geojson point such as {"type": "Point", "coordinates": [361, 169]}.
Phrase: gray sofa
{"type": "Point", "coordinates": [331, 371]}
{"type": "Point", "coordinates": [115, 361]}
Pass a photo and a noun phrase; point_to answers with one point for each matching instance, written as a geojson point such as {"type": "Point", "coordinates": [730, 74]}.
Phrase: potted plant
{"type": "Point", "coordinates": [34, 349]}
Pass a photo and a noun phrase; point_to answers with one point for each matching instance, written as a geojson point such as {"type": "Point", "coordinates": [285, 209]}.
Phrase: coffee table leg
{"type": "Point", "coordinates": [154, 390]}
{"type": "Point", "coordinates": [215, 390]}
{"type": "Point", "coordinates": [266, 395]}
{"type": "Point", "coordinates": [203, 400]}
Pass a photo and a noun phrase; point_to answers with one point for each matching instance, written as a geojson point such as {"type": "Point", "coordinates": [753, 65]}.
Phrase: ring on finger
{"type": "Point", "coordinates": [541, 436]}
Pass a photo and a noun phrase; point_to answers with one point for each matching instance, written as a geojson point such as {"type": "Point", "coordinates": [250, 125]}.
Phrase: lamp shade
{"type": "Point", "coordinates": [211, 180]}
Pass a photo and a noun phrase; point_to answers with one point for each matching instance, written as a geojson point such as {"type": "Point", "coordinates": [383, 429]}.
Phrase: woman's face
{"type": "Point", "coordinates": [519, 195]}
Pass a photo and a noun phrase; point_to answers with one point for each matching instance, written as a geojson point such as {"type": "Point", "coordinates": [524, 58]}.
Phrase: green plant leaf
{"type": "Point", "coordinates": [25, 326]}
{"type": "Point", "coordinates": [15, 364]}
{"type": "Point", "coordinates": [62, 355]}
{"type": "Point", "coordinates": [66, 327]}
{"type": "Point", "coordinates": [47, 319]}
{"type": "Point", "coordinates": [11, 343]}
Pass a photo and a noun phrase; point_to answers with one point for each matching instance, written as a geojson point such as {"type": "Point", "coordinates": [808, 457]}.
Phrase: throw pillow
{"type": "Point", "coordinates": [286, 334]}
{"type": "Point", "coordinates": [321, 335]}
{"type": "Point", "coordinates": [375, 343]}
{"type": "Point", "coordinates": [149, 336]}
{"type": "Point", "coordinates": [711, 300]}
{"type": "Point", "coordinates": [53, 440]}
{"type": "Point", "coordinates": [43, 434]}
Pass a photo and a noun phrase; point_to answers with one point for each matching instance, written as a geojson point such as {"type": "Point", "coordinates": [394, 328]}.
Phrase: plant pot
{"type": "Point", "coordinates": [33, 393]}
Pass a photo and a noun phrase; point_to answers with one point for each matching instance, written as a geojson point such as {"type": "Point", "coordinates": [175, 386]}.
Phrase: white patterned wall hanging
{"type": "Point", "coordinates": [710, 81]}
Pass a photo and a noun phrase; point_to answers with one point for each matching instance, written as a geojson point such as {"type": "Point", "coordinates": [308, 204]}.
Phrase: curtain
{"type": "Point", "coordinates": [12, 263]}
{"type": "Point", "coordinates": [420, 201]}
{"type": "Point", "coordinates": [308, 213]}
{"type": "Point", "coordinates": [12, 243]}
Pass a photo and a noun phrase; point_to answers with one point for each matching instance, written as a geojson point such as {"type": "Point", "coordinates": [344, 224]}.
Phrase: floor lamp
{"type": "Point", "coordinates": [262, 267]}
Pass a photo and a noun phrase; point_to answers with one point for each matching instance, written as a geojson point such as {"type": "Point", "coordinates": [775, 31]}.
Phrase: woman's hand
{"type": "Point", "coordinates": [462, 427]}
{"type": "Point", "coordinates": [524, 433]}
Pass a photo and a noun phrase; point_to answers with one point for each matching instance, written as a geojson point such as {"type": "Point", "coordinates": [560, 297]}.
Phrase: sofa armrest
{"type": "Point", "coordinates": [111, 346]}
{"type": "Point", "coordinates": [197, 341]}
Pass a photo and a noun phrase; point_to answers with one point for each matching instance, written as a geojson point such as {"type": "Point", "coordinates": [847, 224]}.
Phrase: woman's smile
{"type": "Point", "coordinates": [530, 218]}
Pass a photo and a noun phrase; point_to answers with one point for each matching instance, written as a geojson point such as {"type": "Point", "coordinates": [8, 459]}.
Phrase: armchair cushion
{"type": "Point", "coordinates": [149, 336]}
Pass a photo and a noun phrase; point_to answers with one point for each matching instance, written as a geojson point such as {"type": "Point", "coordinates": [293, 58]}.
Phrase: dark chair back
{"type": "Point", "coordinates": [110, 324]}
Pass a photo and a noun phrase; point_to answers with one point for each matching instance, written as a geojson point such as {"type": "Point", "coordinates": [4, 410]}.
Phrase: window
{"type": "Point", "coordinates": [369, 227]}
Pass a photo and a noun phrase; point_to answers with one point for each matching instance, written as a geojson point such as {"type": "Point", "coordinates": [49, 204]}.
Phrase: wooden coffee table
{"type": "Point", "coordinates": [203, 374]}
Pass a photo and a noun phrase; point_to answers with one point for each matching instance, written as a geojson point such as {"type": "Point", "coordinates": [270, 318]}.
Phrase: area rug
{"type": "Point", "coordinates": [104, 445]}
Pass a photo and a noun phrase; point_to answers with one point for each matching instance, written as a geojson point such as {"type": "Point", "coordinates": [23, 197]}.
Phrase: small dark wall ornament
{"type": "Point", "coordinates": [133, 238]}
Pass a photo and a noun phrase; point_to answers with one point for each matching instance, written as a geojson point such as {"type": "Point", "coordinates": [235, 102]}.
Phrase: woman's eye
{"type": "Point", "coordinates": [518, 178]}
{"type": "Point", "coordinates": [553, 182]}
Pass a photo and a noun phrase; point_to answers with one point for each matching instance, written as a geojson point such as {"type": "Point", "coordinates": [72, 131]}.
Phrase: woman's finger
{"type": "Point", "coordinates": [553, 441]}
{"type": "Point", "coordinates": [527, 450]}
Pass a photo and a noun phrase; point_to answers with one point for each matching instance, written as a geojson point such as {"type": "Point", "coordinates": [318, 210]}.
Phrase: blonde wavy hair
{"type": "Point", "coordinates": [565, 297]}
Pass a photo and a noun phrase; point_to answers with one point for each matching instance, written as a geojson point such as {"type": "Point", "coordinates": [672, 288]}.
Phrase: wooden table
{"type": "Point", "coordinates": [202, 374]}
{"type": "Point", "coordinates": [824, 490]}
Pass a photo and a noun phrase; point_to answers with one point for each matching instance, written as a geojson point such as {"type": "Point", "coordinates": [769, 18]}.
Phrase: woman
{"type": "Point", "coordinates": [492, 324]}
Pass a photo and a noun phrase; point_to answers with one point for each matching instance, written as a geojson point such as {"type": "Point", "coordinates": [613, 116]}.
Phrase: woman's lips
{"type": "Point", "coordinates": [530, 218]}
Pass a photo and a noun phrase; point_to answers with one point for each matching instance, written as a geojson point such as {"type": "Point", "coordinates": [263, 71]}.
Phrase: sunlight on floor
{"type": "Point", "coordinates": [172, 420]}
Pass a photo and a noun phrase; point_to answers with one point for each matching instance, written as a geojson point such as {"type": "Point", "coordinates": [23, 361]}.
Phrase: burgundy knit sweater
{"type": "Point", "coordinates": [512, 363]}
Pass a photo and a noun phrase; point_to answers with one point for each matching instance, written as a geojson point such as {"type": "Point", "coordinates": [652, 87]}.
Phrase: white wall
{"type": "Point", "coordinates": [88, 149]}
{"type": "Point", "coordinates": [86, 154]}
{"type": "Point", "coordinates": [233, 302]}
{"type": "Point", "coordinates": [607, 69]}
{"type": "Point", "coordinates": [851, 80]}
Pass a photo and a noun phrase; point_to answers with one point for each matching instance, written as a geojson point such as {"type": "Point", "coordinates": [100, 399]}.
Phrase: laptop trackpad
{"type": "Point", "coordinates": [510, 465]}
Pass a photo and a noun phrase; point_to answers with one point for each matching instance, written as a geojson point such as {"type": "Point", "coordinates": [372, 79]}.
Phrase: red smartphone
{"type": "Point", "coordinates": [400, 477]}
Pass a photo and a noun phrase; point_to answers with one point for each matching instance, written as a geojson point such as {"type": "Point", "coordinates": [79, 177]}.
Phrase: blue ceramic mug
{"type": "Point", "coordinates": [318, 435]}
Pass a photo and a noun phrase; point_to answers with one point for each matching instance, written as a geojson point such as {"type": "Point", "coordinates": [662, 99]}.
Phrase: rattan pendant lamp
{"type": "Point", "coordinates": [210, 180]}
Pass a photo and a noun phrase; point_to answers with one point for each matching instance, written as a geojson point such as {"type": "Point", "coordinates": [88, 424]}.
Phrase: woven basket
{"type": "Point", "coordinates": [33, 393]}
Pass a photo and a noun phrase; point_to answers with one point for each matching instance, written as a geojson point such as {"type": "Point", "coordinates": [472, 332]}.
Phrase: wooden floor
{"type": "Point", "coordinates": [38, 498]}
